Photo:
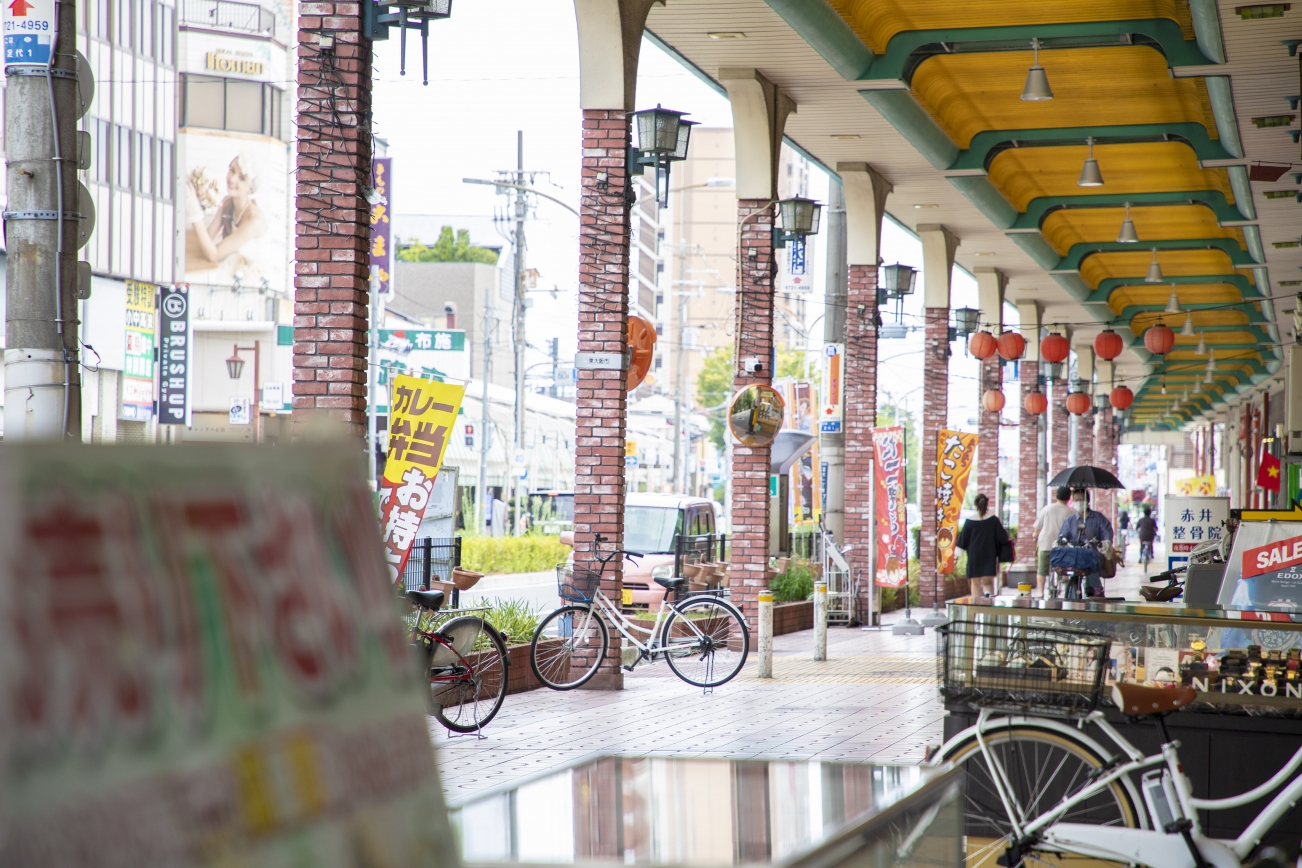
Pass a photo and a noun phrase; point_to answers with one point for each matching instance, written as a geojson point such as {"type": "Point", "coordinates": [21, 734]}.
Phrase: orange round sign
{"type": "Point", "coordinates": [642, 341]}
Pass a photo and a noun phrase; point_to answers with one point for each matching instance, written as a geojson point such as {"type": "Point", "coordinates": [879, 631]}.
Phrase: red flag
{"type": "Point", "coordinates": [1268, 473]}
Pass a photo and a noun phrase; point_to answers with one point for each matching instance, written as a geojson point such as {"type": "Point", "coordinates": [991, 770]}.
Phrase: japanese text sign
{"type": "Point", "coordinates": [420, 426]}
{"type": "Point", "coordinates": [892, 494]}
{"type": "Point", "coordinates": [138, 358]}
{"type": "Point", "coordinates": [954, 454]}
{"type": "Point", "coordinates": [381, 234]}
{"type": "Point", "coordinates": [175, 349]}
{"type": "Point", "coordinates": [205, 664]}
{"type": "Point", "coordinates": [1188, 522]}
{"type": "Point", "coordinates": [30, 28]}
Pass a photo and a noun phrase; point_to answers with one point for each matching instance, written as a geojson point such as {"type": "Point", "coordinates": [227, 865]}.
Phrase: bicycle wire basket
{"type": "Point", "coordinates": [577, 585]}
{"type": "Point", "coordinates": [1023, 668]}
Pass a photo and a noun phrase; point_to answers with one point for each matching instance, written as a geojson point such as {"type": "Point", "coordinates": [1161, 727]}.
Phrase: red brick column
{"type": "Point", "coordinates": [987, 457]}
{"type": "Point", "coordinates": [1028, 442]}
{"type": "Point", "coordinates": [750, 465]}
{"type": "Point", "coordinates": [1058, 431]}
{"type": "Point", "coordinates": [935, 416]}
{"type": "Point", "coordinates": [1085, 438]}
{"type": "Point", "coordinates": [601, 402]}
{"type": "Point", "coordinates": [860, 418]}
{"type": "Point", "coordinates": [332, 255]}
{"type": "Point", "coordinates": [1105, 456]}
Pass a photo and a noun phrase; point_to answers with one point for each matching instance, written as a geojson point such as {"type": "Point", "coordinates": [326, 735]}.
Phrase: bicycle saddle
{"type": "Point", "coordinates": [1135, 699]}
{"type": "Point", "coordinates": [670, 582]}
{"type": "Point", "coordinates": [432, 600]}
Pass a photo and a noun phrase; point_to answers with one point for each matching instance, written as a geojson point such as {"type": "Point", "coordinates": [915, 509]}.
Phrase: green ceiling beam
{"type": "Point", "coordinates": [1077, 253]}
{"type": "Point", "coordinates": [1242, 191]}
{"type": "Point", "coordinates": [817, 23]}
{"type": "Point", "coordinates": [1037, 248]}
{"type": "Point", "coordinates": [981, 193]}
{"type": "Point", "coordinates": [1214, 200]}
{"type": "Point", "coordinates": [911, 120]}
{"type": "Point", "coordinates": [1227, 120]}
{"type": "Point", "coordinates": [979, 150]}
{"type": "Point", "coordinates": [1105, 289]}
{"type": "Point", "coordinates": [1207, 29]}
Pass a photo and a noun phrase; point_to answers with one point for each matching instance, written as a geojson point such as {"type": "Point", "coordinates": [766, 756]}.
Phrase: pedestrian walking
{"type": "Point", "coordinates": [981, 538]}
{"type": "Point", "coordinates": [1047, 525]}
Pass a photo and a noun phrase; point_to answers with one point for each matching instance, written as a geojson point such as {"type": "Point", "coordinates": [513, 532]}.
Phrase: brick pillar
{"type": "Point", "coordinates": [1105, 456]}
{"type": "Point", "coordinates": [987, 457]}
{"type": "Point", "coordinates": [1058, 417]}
{"type": "Point", "coordinates": [332, 238]}
{"type": "Point", "coordinates": [1085, 438]}
{"type": "Point", "coordinates": [860, 418]}
{"type": "Point", "coordinates": [601, 402]}
{"type": "Point", "coordinates": [750, 465]}
{"type": "Point", "coordinates": [935, 416]}
{"type": "Point", "coordinates": [1028, 441]}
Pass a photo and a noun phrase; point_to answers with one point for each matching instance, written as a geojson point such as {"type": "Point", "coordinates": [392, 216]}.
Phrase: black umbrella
{"type": "Point", "coordinates": [1085, 476]}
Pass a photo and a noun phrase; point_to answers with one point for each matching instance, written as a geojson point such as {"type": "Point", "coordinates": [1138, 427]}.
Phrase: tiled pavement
{"type": "Point", "coordinates": [874, 699]}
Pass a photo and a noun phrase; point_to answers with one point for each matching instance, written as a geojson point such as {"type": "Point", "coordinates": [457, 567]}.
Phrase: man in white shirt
{"type": "Point", "coordinates": [1047, 525]}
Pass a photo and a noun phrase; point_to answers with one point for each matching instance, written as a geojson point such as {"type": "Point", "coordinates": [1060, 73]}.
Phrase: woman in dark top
{"type": "Point", "coordinates": [981, 538]}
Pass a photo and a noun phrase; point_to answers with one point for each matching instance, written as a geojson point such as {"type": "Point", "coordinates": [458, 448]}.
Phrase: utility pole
{"type": "Point", "coordinates": [43, 228]}
{"type": "Point", "coordinates": [517, 330]}
{"type": "Point", "coordinates": [485, 421]}
{"type": "Point", "coordinates": [831, 447]}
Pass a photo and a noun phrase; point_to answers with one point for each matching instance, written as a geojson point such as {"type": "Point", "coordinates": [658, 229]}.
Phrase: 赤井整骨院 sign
{"type": "Point", "coordinates": [1274, 570]}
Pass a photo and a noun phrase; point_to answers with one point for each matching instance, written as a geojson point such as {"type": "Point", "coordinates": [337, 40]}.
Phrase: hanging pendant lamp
{"type": "Point", "coordinates": [1202, 344]}
{"type": "Point", "coordinates": [1173, 303]}
{"type": "Point", "coordinates": [1127, 235]}
{"type": "Point", "coordinates": [1187, 330]}
{"type": "Point", "coordinates": [1154, 270]}
{"type": "Point", "coordinates": [1211, 360]}
{"type": "Point", "coordinates": [1090, 176]}
{"type": "Point", "coordinates": [1037, 83]}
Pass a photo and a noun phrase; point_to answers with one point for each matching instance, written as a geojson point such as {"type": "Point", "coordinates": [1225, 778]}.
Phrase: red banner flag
{"type": "Point", "coordinates": [1268, 473]}
{"type": "Point", "coordinates": [890, 523]}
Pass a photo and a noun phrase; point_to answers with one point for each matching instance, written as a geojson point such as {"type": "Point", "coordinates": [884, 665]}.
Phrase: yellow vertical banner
{"type": "Point", "coordinates": [954, 455]}
{"type": "Point", "coordinates": [421, 417]}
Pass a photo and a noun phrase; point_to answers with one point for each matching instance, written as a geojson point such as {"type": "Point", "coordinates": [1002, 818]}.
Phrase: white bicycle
{"type": "Point", "coordinates": [1041, 792]}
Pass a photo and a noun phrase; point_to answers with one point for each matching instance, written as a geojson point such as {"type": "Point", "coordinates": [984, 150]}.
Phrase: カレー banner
{"type": "Point", "coordinates": [953, 465]}
{"type": "Point", "coordinates": [892, 493]}
{"type": "Point", "coordinates": [420, 420]}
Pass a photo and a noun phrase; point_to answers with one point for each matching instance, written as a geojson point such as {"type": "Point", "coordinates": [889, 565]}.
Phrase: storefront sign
{"type": "Point", "coordinates": [1188, 522]}
{"type": "Point", "coordinates": [138, 358]}
{"type": "Point", "coordinates": [796, 268]}
{"type": "Point", "coordinates": [805, 484]}
{"type": "Point", "coordinates": [175, 349]}
{"type": "Point", "coordinates": [1264, 572]}
{"type": "Point", "coordinates": [954, 455]}
{"type": "Point", "coordinates": [1197, 486]}
{"type": "Point", "coordinates": [30, 29]}
{"type": "Point", "coordinates": [832, 412]}
{"type": "Point", "coordinates": [381, 264]}
{"type": "Point", "coordinates": [241, 411]}
{"type": "Point", "coordinates": [420, 424]}
{"type": "Point", "coordinates": [891, 496]}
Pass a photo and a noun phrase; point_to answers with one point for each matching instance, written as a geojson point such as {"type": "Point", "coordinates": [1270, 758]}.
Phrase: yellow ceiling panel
{"type": "Point", "coordinates": [1023, 174]}
{"type": "Point", "coordinates": [876, 21]}
{"type": "Point", "coordinates": [1157, 294]}
{"type": "Point", "coordinates": [1068, 226]}
{"type": "Point", "coordinates": [1126, 84]}
{"type": "Point", "coordinates": [1142, 322]}
{"type": "Point", "coordinates": [1098, 267]}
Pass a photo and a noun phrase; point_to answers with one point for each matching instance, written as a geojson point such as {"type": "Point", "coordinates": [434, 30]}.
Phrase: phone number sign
{"type": "Point", "coordinates": [30, 27]}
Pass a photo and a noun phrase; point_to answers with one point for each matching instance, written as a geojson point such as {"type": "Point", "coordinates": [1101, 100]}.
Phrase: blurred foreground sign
{"type": "Point", "coordinates": [202, 664]}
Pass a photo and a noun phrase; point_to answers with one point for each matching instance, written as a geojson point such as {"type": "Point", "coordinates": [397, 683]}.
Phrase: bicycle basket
{"type": "Point", "coordinates": [577, 586]}
{"type": "Point", "coordinates": [1082, 558]}
{"type": "Point", "coordinates": [1023, 667]}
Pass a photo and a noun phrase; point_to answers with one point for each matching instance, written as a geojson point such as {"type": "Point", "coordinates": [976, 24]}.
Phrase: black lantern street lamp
{"type": "Point", "coordinates": [380, 15]}
{"type": "Point", "coordinates": [662, 138]}
{"type": "Point", "coordinates": [235, 366]}
{"type": "Point", "coordinates": [799, 217]}
{"type": "Point", "coordinates": [895, 281]}
{"type": "Point", "coordinates": [966, 320]}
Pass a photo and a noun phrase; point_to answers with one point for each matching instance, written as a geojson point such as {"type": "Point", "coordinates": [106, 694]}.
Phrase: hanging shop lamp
{"type": "Point", "coordinates": [993, 400]}
{"type": "Point", "coordinates": [1208, 378]}
{"type": "Point", "coordinates": [1054, 348]}
{"type": "Point", "coordinates": [1121, 398]}
{"type": "Point", "coordinates": [1090, 176]}
{"type": "Point", "coordinates": [966, 320]}
{"type": "Point", "coordinates": [898, 279]}
{"type": "Point", "coordinates": [1037, 83]}
{"type": "Point", "coordinates": [1108, 345]}
{"type": "Point", "coordinates": [1211, 360]}
{"type": "Point", "coordinates": [1154, 270]}
{"type": "Point", "coordinates": [1159, 339]}
{"type": "Point", "coordinates": [1035, 403]}
{"type": "Point", "coordinates": [1011, 346]}
{"type": "Point", "coordinates": [1187, 330]}
{"type": "Point", "coordinates": [1173, 303]}
{"type": "Point", "coordinates": [1202, 344]}
{"type": "Point", "coordinates": [1127, 235]}
{"type": "Point", "coordinates": [982, 345]}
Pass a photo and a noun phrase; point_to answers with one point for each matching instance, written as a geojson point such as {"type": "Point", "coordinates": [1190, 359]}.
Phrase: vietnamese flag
{"type": "Point", "coordinates": [1268, 473]}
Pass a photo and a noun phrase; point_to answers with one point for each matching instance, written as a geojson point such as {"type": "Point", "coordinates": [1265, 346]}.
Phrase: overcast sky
{"type": "Point", "coordinates": [498, 67]}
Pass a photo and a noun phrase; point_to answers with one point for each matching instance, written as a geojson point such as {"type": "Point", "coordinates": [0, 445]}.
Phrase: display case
{"type": "Point", "coordinates": [1239, 662]}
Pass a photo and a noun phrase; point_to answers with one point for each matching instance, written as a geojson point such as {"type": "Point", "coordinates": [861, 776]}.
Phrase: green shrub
{"type": "Point", "coordinates": [794, 585]}
{"type": "Point", "coordinates": [514, 618]}
{"type": "Point", "coordinates": [512, 554]}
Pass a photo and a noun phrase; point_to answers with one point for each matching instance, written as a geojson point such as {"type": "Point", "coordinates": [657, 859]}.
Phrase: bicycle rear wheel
{"type": "Point", "coordinates": [705, 641]}
{"type": "Point", "coordinates": [568, 647]}
{"type": "Point", "coordinates": [467, 676]}
{"type": "Point", "coordinates": [1042, 766]}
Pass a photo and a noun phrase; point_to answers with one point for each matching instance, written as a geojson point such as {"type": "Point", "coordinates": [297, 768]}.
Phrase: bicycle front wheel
{"type": "Point", "coordinates": [705, 642]}
{"type": "Point", "coordinates": [1042, 767]}
{"type": "Point", "coordinates": [467, 674]}
{"type": "Point", "coordinates": [568, 647]}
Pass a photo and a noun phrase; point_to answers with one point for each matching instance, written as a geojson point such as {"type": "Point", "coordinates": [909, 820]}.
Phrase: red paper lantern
{"type": "Point", "coordinates": [982, 345]}
{"type": "Point", "coordinates": [993, 401]}
{"type": "Point", "coordinates": [1035, 403]}
{"type": "Point", "coordinates": [1108, 345]}
{"type": "Point", "coordinates": [1159, 339]}
{"type": "Point", "coordinates": [642, 338]}
{"type": "Point", "coordinates": [1011, 346]}
{"type": "Point", "coordinates": [1054, 348]}
{"type": "Point", "coordinates": [1078, 403]}
{"type": "Point", "coordinates": [1122, 398]}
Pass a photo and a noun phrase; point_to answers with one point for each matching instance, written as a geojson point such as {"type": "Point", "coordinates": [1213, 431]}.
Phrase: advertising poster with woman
{"type": "Point", "coordinates": [235, 201]}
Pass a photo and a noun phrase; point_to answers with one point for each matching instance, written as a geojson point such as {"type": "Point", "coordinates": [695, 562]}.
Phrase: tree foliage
{"type": "Point", "coordinates": [449, 249]}
{"type": "Point", "coordinates": [714, 387]}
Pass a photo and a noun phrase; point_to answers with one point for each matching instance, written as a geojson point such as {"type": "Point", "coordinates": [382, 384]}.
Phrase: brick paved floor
{"type": "Point", "coordinates": [875, 698]}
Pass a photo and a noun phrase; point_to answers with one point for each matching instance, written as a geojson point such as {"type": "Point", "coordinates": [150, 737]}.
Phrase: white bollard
{"type": "Point", "coordinates": [820, 620]}
{"type": "Point", "coordinates": [766, 634]}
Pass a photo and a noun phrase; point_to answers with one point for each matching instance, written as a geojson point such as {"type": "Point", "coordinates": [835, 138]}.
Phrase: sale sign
{"type": "Point", "coordinates": [954, 455]}
{"type": "Point", "coordinates": [1278, 556]}
{"type": "Point", "coordinates": [420, 421]}
{"type": "Point", "coordinates": [892, 493]}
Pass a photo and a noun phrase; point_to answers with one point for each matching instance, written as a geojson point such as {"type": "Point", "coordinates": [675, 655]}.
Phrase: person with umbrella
{"type": "Point", "coordinates": [1086, 524]}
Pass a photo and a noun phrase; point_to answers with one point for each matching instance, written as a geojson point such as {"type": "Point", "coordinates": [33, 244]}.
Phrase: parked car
{"type": "Point", "coordinates": [652, 524]}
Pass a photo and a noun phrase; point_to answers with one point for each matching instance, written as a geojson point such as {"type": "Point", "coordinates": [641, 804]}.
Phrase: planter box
{"type": "Point", "coordinates": [793, 617]}
{"type": "Point", "coordinates": [520, 677]}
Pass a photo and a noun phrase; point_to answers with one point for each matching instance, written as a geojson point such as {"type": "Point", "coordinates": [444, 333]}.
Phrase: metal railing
{"type": "Point", "coordinates": [700, 548]}
{"type": "Point", "coordinates": [431, 559]}
{"type": "Point", "coordinates": [228, 15]}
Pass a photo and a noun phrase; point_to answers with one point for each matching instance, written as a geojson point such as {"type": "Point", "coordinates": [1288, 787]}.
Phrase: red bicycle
{"type": "Point", "coordinates": [464, 658]}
